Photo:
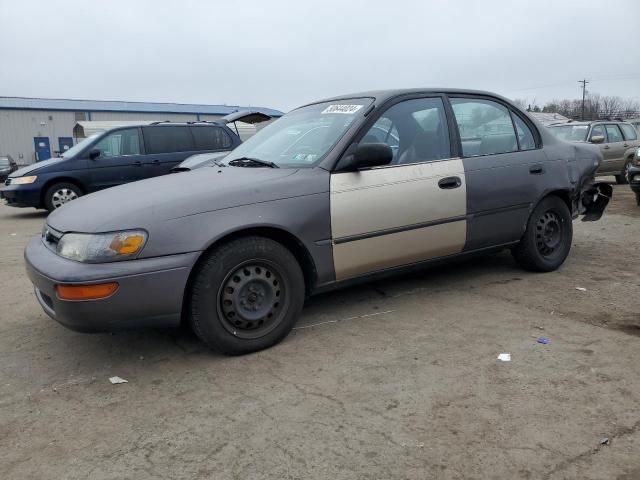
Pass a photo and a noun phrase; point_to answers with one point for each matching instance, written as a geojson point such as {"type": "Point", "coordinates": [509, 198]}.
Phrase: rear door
{"type": "Point", "coordinates": [505, 168]}
{"type": "Point", "coordinates": [165, 146]}
{"type": "Point", "coordinates": [120, 159]}
{"type": "Point", "coordinates": [406, 212]}
{"type": "Point", "coordinates": [614, 149]}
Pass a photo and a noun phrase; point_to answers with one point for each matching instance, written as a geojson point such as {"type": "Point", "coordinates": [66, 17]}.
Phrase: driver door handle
{"type": "Point", "coordinates": [155, 162]}
{"type": "Point", "coordinates": [449, 183]}
{"type": "Point", "coordinates": [606, 147]}
{"type": "Point", "coordinates": [137, 163]}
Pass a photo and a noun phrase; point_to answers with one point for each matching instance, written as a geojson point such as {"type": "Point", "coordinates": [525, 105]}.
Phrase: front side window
{"type": "Point", "coordinates": [629, 132]}
{"type": "Point", "coordinates": [485, 127]}
{"type": "Point", "coordinates": [119, 143]}
{"type": "Point", "coordinates": [302, 137]}
{"type": "Point", "coordinates": [167, 139]}
{"type": "Point", "coordinates": [613, 132]}
{"type": "Point", "coordinates": [416, 130]}
{"type": "Point", "coordinates": [598, 131]}
{"type": "Point", "coordinates": [210, 138]}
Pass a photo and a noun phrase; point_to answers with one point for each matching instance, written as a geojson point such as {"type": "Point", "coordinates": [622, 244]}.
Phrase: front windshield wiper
{"type": "Point", "coordinates": [251, 162]}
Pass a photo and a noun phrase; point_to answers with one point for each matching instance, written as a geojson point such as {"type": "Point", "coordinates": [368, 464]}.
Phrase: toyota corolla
{"type": "Point", "coordinates": [334, 192]}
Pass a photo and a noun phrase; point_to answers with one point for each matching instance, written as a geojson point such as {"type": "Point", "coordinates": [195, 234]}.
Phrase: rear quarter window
{"type": "Point", "coordinates": [211, 138]}
{"type": "Point", "coordinates": [167, 139]}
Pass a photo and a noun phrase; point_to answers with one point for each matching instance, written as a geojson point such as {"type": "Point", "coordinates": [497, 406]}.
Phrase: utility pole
{"type": "Point", "coordinates": [584, 91]}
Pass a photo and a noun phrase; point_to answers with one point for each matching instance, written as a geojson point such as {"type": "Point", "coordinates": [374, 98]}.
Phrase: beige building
{"type": "Point", "coordinates": [33, 129]}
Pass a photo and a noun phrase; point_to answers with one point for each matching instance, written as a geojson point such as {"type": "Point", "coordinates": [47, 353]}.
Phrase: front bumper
{"type": "Point", "coordinates": [21, 195]}
{"type": "Point", "coordinates": [150, 292]}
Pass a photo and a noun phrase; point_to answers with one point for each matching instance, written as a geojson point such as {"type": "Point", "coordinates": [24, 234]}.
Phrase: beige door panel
{"type": "Point", "coordinates": [370, 202]}
{"type": "Point", "coordinates": [386, 251]}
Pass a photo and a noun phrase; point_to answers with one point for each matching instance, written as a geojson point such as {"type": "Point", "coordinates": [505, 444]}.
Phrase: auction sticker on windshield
{"type": "Point", "coordinates": [348, 109]}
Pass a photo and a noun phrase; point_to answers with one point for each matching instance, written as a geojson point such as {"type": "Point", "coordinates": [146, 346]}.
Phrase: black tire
{"type": "Point", "coordinates": [54, 199]}
{"type": "Point", "coordinates": [547, 239]}
{"type": "Point", "coordinates": [623, 177]}
{"type": "Point", "coordinates": [246, 296]}
{"type": "Point", "coordinates": [638, 199]}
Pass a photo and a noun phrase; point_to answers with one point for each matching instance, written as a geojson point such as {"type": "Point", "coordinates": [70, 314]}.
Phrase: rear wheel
{"type": "Point", "coordinates": [246, 296]}
{"type": "Point", "coordinates": [623, 177]}
{"type": "Point", "coordinates": [59, 194]}
{"type": "Point", "coordinates": [547, 239]}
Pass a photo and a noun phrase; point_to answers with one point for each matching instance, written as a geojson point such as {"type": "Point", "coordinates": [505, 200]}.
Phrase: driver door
{"type": "Point", "coordinates": [120, 160]}
{"type": "Point", "coordinates": [406, 212]}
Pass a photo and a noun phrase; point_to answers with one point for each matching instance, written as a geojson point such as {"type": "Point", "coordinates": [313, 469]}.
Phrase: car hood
{"type": "Point", "coordinates": [36, 166]}
{"type": "Point", "coordinates": [145, 203]}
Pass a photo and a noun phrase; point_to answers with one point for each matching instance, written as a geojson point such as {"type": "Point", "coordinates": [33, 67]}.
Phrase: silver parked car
{"type": "Point", "coordinates": [334, 192]}
{"type": "Point", "coordinates": [617, 140]}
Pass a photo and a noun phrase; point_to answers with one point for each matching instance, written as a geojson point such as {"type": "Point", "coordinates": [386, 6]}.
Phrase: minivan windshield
{"type": "Point", "coordinates": [572, 133]}
{"type": "Point", "coordinates": [301, 138]}
{"type": "Point", "coordinates": [80, 145]}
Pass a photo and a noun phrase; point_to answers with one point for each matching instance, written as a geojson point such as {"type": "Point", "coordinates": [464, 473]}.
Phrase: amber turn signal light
{"type": "Point", "coordinates": [86, 292]}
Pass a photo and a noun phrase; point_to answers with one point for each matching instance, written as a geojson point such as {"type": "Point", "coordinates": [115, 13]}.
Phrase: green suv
{"type": "Point", "coordinates": [618, 143]}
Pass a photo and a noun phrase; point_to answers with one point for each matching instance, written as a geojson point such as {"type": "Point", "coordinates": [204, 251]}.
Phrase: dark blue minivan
{"type": "Point", "coordinates": [119, 155]}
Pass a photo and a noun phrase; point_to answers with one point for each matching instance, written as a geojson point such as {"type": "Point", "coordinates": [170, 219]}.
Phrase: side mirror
{"type": "Point", "coordinates": [597, 139]}
{"type": "Point", "coordinates": [94, 153]}
{"type": "Point", "coordinates": [367, 155]}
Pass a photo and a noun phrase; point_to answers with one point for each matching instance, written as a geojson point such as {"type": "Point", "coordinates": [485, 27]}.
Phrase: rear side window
{"type": "Point", "coordinates": [525, 136]}
{"type": "Point", "coordinates": [167, 139]}
{"type": "Point", "coordinates": [629, 132]}
{"type": "Point", "coordinates": [211, 138]}
{"type": "Point", "coordinates": [485, 127]}
{"type": "Point", "coordinates": [613, 132]}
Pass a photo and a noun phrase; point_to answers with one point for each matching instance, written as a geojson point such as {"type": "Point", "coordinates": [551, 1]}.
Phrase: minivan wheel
{"type": "Point", "coordinates": [59, 194]}
{"type": "Point", "coordinates": [246, 296]}
{"type": "Point", "coordinates": [547, 239]}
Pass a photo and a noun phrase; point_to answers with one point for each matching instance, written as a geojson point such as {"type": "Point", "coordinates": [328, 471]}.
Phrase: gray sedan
{"type": "Point", "coordinates": [335, 192]}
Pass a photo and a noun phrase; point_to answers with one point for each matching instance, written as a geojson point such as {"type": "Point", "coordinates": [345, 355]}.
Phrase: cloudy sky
{"type": "Point", "coordinates": [282, 53]}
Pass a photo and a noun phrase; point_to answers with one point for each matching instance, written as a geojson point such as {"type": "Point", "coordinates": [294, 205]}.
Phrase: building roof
{"type": "Point", "coordinates": [24, 103]}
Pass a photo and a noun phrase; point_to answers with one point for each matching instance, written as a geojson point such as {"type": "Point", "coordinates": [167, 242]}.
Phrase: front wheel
{"type": "Point", "coordinates": [547, 239]}
{"type": "Point", "coordinates": [246, 296]}
{"type": "Point", "coordinates": [59, 194]}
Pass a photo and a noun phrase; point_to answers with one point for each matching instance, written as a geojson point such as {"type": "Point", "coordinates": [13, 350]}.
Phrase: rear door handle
{"type": "Point", "coordinates": [536, 169]}
{"type": "Point", "coordinates": [155, 162]}
{"type": "Point", "coordinates": [626, 145]}
{"type": "Point", "coordinates": [448, 183]}
{"type": "Point", "coordinates": [606, 147]}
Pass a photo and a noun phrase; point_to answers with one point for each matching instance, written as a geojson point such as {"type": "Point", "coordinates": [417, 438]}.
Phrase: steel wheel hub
{"type": "Point", "coordinates": [548, 233]}
{"type": "Point", "coordinates": [250, 300]}
{"type": "Point", "coordinates": [62, 196]}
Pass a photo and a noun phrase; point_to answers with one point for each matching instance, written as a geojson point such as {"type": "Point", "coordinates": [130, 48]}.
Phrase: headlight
{"type": "Point", "coordinates": [101, 247]}
{"type": "Point", "coordinates": [23, 180]}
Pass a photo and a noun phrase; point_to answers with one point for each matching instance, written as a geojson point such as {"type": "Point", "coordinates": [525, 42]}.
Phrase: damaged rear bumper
{"type": "Point", "coordinates": [593, 199]}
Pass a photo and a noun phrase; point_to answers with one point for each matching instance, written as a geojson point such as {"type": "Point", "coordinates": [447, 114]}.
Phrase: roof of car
{"type": "Point", "coordinates": [383, 95]}
{"type": "Point", "coordinates": [585, 122]}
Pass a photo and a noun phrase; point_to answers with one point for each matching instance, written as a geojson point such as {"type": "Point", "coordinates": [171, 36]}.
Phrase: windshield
{"type": "Point", "coordinates": [79, 146]}
{"type": "Point", "coordinates": [302, 137]}
{"type": "Point", "coordinates": [572, 133]}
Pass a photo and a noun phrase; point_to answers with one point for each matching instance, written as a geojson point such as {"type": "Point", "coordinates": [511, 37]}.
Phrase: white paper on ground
{"type": "Point", "coordinates": [504, 357]}
{"type": "Point", "coordinates": [116, 380]}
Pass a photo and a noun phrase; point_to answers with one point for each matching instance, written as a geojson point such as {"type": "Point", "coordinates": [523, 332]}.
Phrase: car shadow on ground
{"type": "Point", "coordinates": [163, 344]}
{"type": "Point", "coordinates": [27, 214]}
